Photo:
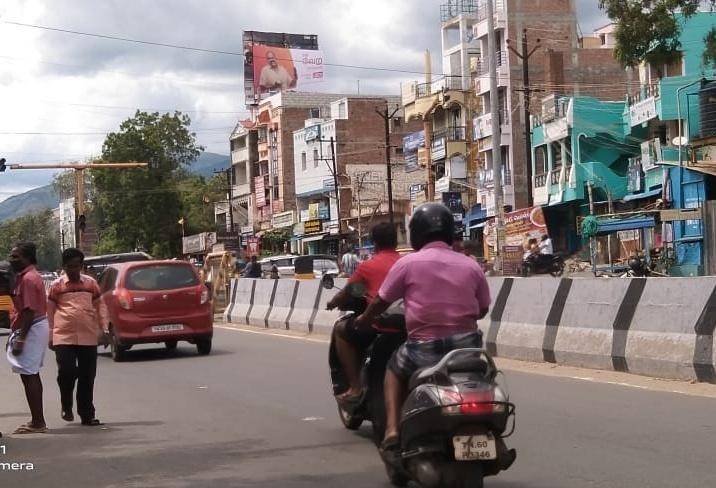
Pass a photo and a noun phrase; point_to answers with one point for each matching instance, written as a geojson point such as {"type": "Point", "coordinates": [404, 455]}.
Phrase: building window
{"type": "Point", "coordinates": [342, 110]}
{"type": "Point", "coordinates": [314, 113]}
{"type": "Point", "coordinates": [315, 157]}
{"type": "Point", "coordinates": [303, 161]}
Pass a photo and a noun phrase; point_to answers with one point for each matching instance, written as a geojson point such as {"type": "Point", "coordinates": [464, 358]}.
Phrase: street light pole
{"type": "Point", "coordinates": [389, 172]}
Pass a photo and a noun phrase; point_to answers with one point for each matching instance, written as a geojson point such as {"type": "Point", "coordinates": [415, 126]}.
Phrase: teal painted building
{"type": "Point", "coordinates": [628, 151]}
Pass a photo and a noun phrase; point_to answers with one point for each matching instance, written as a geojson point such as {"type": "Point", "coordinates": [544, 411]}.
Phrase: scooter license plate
{"type": "Point", "coordinates": [474, 447]}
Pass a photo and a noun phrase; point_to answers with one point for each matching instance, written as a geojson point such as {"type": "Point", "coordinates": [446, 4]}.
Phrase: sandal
{"type": "Point", "coordinates": [390, 452]}
{"type": "Point", "coordinates": [29, 429]}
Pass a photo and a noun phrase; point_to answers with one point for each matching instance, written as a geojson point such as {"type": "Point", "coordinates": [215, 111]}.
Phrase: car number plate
{"type": "Point", "coordinates": [167, 327]}
{"type": "Point", "coordinates": [474, 447]}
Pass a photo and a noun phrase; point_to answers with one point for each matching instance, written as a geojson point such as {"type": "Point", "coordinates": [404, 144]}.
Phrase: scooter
{"type": "Point", "coordinates": [552, 264]}
{"type": "Point", "coordinates": [371, 406]}
{"type": "Point", "coordinates": [453, 421]}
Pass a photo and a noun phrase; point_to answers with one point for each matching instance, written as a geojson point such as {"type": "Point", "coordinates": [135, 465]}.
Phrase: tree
{"type": "Point", "coordinates": [648, 30]}
{"type": "Point", "coordinates": [65, 183]}
{"type": "Point", "coordinates": [38, 228]}
{"type": "Point", "coordinates": [140, 208]}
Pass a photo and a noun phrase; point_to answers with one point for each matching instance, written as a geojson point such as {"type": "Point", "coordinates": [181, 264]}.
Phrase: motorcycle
{"type": "Point", "coordinates": [453, 422]}
{"type": "Point", "coordinates": [552, 264]}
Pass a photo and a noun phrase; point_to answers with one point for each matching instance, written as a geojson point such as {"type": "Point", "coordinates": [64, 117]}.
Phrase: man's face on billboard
{"type": "Point", "coordinates": [271, 58]}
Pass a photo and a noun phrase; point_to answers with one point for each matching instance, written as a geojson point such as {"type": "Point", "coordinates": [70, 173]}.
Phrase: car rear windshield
{"type": "Point", "coordinates": [161, 277]}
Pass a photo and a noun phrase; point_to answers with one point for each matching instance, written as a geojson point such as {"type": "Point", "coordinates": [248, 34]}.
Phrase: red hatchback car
{"type": "Point", "coordinates": [156, 301]}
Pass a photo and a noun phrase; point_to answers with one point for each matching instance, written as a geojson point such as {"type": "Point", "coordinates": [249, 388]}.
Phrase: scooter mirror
{"type": "Point", "coordinates": [327, 282]}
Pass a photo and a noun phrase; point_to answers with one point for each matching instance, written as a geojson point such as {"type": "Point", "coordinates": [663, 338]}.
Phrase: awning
{"type": "Point", "coordinates": [632, 223]}
{"type": "Point", "coordinates": [312, 193]}
{"type": "Point", "coordinates": [646, 194]}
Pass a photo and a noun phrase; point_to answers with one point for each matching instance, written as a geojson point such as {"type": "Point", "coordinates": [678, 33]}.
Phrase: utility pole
{"type": "Point", "coordinates": [496, 135]}
{"type": "Point", "coordinates": [80, 184]}
{"type": "Point", "coordinates": [386, 115]}
{"type": "Point", "coordinates": [526, 91]}
{"type": "Point", "coordinates": [229, 194]}
{"type": "Point", "coordinates": [333, 169]}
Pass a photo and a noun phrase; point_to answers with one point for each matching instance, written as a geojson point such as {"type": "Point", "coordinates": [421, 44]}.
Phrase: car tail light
{"type": "Point", "coordinates": [124, 298]}
{"type": "Point", "coordinates": [204, 295]}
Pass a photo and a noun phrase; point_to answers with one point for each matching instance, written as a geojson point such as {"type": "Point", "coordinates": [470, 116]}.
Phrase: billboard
{"type": "Point", "coordinates": [278, 41]}
{"type": "Point", "coordinates": [520, 226]}
{"type": "Point", "coordinates": [411, 144]}
{"type": "Point", "coordinates": [277, 69]}
{"type": "Point", "coordinates": [260, 190]}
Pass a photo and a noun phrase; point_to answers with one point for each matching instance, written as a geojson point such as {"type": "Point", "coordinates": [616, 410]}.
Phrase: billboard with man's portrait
{"type": "Point", "coordinates": [277, 69]}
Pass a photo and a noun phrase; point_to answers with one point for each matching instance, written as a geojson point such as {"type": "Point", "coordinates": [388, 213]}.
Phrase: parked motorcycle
{"type": "Point", "coordinates": [552, 264]}
{"type": "Point", "coordinates": [453, 422]}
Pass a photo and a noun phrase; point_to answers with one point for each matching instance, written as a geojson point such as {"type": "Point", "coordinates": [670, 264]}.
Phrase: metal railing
{"type": "Point", "coordinates": [646, 91]}
{"type": "Point", "coordinates": [483, 67]}
{"type": "Point", "coordinates": [457, 133]}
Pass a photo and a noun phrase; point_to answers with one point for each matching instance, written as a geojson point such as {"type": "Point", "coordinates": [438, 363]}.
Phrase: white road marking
{"type": "Point", "coordinates": [543, 369]}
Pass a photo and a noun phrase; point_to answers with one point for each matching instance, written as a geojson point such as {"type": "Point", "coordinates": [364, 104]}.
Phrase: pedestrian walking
{"type": "Point", "coordinates": [30, 332]}
{"type": "Point", "coordinates": [349, 263]}
{"type": "Point", "coordinates": [77, 322]}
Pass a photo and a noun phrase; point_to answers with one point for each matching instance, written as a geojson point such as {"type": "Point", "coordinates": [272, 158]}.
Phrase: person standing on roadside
{"type": "Point", "coordinates": [30, 332]}
{"type": "Point", "coordinates": [349, 263]}
{"type": "Point", "coordinates": [77, 320]}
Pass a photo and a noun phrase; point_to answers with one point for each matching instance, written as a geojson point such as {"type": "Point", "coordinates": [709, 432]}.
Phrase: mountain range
{"type": "Point", "coordinates": [45, 197]}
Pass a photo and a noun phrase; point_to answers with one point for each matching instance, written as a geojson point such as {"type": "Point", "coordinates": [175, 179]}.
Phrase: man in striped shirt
{"type": "Point", "coordinates": [77, 319]}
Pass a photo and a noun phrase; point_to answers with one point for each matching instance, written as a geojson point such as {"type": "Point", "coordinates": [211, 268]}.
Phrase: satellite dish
{"type": "Point", "coordinates": [680, 141]}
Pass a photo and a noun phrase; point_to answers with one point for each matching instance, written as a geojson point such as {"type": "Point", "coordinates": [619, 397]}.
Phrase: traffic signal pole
{"type": "Point", "coordinates": [79, 184]}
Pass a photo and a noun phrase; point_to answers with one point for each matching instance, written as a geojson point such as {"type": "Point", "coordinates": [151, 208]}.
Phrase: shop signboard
{"type": "Point", "coordinates": [423, 157]}
{"type": "Point", "coordinates": [194, 244]}
{"type": "Point", "coordinates": [331, 227]}
{"type": "Point", "coordinates": [437, 149]}
{"type": "Point", "coordinates": [247, 230]}
{"type": "Point", "coordinates": [283, 219]}
{"type": "Point", "coordinates": [324, 211]}
{"type": "Point", "coordinates": [313, 211]}
{"type": "Point", "coordinates": [442, 185]}
{"type": "Point", "coordinates": [520, 226]}
{"type": "Point", "coordinates": [252, 246]}
{"type": "Point", "coordinates": [305, 215]}
{"type": "Point", "coordinates": [312, 227]}
{"type": "Point", "coordinates": [411, 145]}
{"type": "Point", "coordinates": [312, 133]}
{"type": "Point", "coordinates": [453, 201]}
{"type": "Point", "coordinates": [415, 190]}
{"type": "Point", "coordinates": [642, 111]}
{"type": "Point", "coordinates": [511, 260]}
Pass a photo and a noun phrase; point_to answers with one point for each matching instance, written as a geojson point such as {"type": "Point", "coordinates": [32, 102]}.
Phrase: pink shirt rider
{"type": "Point", "coordinates": [29, 293]}
{"type": "Point", "coordinates": [443, 291]}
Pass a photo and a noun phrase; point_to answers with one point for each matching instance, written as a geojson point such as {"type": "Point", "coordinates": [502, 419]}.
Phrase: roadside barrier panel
{"type": "Point", "coordinates": [671, 335]}
{"type": "Point", "coordinates": [324, 319]}
{"type": "Point", "coordinates": [305, 306]}
{"type": "Point", "coordinates": [593, 309]}
{"type": "Point", "coordinates": [283, 301]}
{"type": "Point", "coordinates": [242, 295]}
{"type": "Point", "coordinates": [523, 322]}
{"type": "Point", "coordinates": [261, 306]}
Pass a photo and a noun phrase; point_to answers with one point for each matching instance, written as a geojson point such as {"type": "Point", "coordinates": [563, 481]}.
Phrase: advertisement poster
{"type": "Point", "coordinates": [252, 247]}
{"type": "Point", "coordinates": [520, 226]}
{"type": "Point", "coordinates": [260, 191]}
{"type": "Point", "coordinates": [277, 69]}
{"type": "Point", "coordinates": [411, 144]}
{"type": "Point", "coordinates": [512, 260]}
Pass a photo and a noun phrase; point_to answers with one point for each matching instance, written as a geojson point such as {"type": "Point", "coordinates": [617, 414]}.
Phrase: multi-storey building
{"type": "Point", "coordinates": [325, 151]}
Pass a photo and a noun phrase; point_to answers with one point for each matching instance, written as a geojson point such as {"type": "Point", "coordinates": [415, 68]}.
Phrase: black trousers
{"type": "Point", "coordinates": [77, 363]}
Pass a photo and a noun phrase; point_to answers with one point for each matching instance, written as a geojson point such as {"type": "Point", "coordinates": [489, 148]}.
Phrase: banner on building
{"type": "Point", "coordinates": [260, 191]}
{"type": "Point", "coordinates": [642, 111]}
{"type": "Point", "coordinates": [278, 69]}
{"type": "Point", "coordinates": [520, 226]}
{"type": "Point", "coordinates": [252, 247]}
{"type": "Point", "coordinates": [437, 149]}
{"type": "Point", "coordinates": [411, 144]}
{"type": "Point", "coordinates": [312, 133]}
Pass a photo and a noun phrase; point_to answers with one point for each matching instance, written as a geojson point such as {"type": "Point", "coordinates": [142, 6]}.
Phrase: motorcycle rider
{"type": "Point", "coordinates": [349, 340]}
{"type": "Point", "coordinates": [444, 292]}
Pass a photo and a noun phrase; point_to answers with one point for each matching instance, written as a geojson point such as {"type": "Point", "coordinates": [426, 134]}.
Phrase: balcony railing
{"type": "Point", "coordinates": [555, 175]}
{"type": "Point", "coordinates": [454, 8]}
{"type": "Point", "coordinates": [646, 91]}
{"type": "Point", "coordinates": [415, 90]}
{"type": "Point", "coordinates": [541, 180]}
{"type": "Point", "coordinates": [452, 134]}
{"type": "Point", "coordinates": [483, 67]}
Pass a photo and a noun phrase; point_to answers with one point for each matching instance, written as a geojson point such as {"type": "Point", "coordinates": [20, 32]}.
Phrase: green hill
{"type": "Point", "coordinates": [44, 197]}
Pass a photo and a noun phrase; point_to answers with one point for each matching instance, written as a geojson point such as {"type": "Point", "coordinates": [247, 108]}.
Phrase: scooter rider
{"type": "Point", "coordinates": [350, 342]}
{"type": "Point", "coordinates": [444, 292]}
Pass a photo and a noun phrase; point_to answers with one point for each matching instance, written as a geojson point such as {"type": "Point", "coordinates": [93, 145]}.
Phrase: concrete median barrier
{"type": "Point", "coordinates": [283, 302]}
{"type": "Point", "coordinates": [659, 327]}
{"type": "Point", "coordinates": [263, 297]}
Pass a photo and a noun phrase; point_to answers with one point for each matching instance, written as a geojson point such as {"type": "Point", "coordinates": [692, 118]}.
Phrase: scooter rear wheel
{"type": "Point", "coordinates": [350, 422]}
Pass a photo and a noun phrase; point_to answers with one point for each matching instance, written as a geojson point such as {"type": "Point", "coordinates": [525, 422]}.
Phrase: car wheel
{"type": "Point", "coordinates": [171, 345]}
{"type": "Point", "coordinates": [203, 346]}
{"type": "Point", "coordinates": [116, 348]}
